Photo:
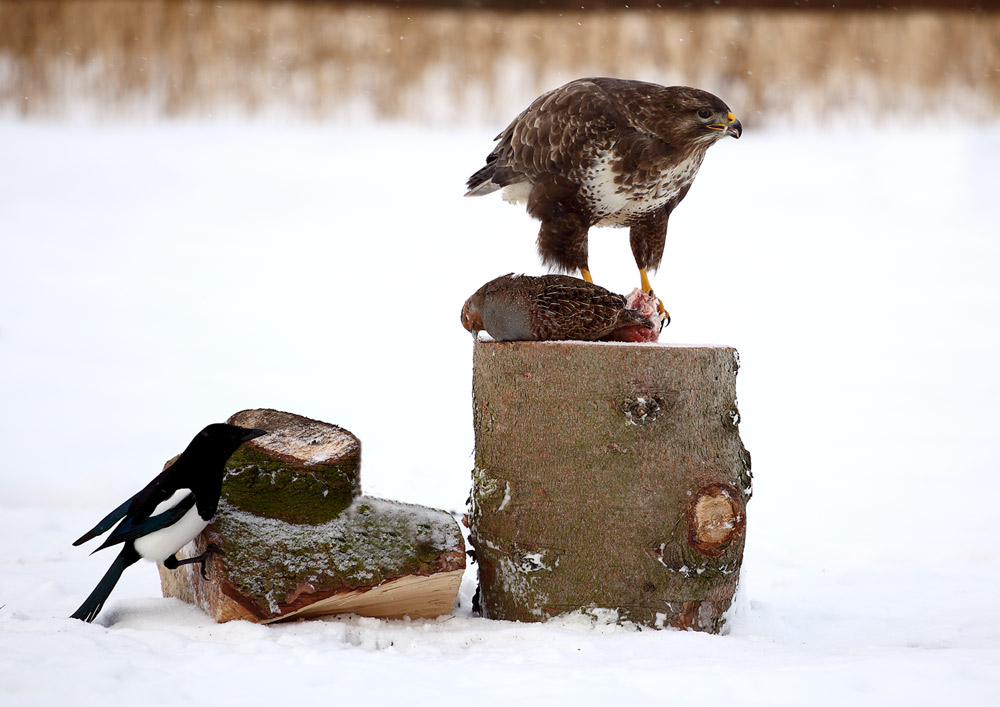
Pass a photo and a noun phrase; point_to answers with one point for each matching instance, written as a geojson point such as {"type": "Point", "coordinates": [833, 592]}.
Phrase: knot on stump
{"type": "Point", "coordinates": [715, 517]}
{"type": "Point", "coordinates": [641, 407]}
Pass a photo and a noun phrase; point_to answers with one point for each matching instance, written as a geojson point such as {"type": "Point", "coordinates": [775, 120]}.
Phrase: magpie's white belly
{"type": "Point", "coordinates": [161, 544]}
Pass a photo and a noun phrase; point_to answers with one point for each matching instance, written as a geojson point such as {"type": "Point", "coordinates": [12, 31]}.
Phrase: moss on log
{"type": "Point", "coordinates": [608, 476]}
{"type": "Point", "coordinates": [303, 471]}
{"type": "Point", "coordinates": [269, 570]}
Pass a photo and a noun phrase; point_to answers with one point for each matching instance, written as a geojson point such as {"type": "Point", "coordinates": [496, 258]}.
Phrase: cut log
{"type": "Point", "coordinates": [608, 476]}
{"type": "Point", "coordinates": [302, 471]}
{"type": "Point", "coordinates": [287, 550]}
{"type": "Point", "coordinates": [377, 558]}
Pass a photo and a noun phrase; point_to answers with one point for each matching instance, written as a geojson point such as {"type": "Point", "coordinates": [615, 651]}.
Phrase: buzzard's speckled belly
{"type": "Point", "coordinates": [616, 198]}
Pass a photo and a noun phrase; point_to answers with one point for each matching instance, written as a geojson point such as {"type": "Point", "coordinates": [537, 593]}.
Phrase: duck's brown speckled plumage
{"type": "Point", "coordinates": [547, 308]}
{"type": "Point", "coordinates": [604, 152]}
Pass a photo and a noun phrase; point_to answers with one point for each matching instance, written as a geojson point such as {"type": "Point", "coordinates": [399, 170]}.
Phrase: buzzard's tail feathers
{"type": "Point", "coordinates": [482, 182]}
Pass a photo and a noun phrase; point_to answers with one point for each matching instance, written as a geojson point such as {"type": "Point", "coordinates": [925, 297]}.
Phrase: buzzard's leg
{"type": "Point", "coordinates": [563, 245]}
{"type": "Point", "coordinates": [647, 238]}
{"type": "Point", "coordinates": [645, 281]}
{"type": "Point", "coordinates": [585, 274]}
{"type": "Point", "coordinates": [648, 289]}
{"type": "Point", "coordinates": [562, 237]}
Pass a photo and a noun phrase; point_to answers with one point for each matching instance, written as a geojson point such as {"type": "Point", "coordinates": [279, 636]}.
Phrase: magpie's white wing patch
{"type": "Point", "coordinates": [161, 544]}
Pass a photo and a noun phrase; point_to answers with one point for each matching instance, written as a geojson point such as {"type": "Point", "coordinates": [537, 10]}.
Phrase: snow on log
{"type": "Point", "coordinates": [608, 476]}
{"type": "Point", "coordinates": [298, 540]}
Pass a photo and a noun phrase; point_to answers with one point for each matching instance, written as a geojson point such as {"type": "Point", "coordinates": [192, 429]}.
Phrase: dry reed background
{"type": "Point", "coordinates": [361, 62]}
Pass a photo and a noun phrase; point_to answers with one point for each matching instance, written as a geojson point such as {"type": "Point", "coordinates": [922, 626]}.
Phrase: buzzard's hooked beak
{"type": "Point", "coordinates": [731, 127]}
{"type": "Point", "coordinates": [735, 127]}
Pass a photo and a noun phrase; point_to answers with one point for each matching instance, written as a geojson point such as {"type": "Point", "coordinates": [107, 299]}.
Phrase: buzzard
{"type": "Point", "coordinates": [605, 152]}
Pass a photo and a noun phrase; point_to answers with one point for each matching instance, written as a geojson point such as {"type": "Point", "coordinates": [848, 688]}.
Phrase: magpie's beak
{"type": "Point", "coordinates": [252, 434]}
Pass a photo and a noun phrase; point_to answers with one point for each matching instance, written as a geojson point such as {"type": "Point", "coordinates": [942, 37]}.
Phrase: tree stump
{"type": "Point", "coordinates": [297, 538]}
{"type": "Point", "coordinates": [608, 476]}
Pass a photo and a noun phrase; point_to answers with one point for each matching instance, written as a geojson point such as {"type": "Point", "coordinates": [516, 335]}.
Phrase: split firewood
{"type": "Point", "coordinates": [294, 538]}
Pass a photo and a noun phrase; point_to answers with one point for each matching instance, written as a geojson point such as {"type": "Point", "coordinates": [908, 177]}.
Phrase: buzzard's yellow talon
{"type": "Point", "coordinates": [585, 274]}
{"type": "Point", "coordinates": [664, 314]}
{"type": "Point", "coordinates": [646, 287]}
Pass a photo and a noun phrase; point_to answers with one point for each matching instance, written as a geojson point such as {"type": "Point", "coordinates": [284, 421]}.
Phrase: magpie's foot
{"type": "Point", "coordinates": [210, 549]}
{"type": "Point", "coordinates": [173, 563]}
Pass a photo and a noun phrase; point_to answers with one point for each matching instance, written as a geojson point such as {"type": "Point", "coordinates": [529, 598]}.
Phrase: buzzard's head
{"type": "Point", "coordinates": [704, 117]}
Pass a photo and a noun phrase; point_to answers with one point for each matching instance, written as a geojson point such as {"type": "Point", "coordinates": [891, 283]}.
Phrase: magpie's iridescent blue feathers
{"type": "Point", "coordinates": [106, 523]}
{"type": "Point", "coordinates": [134, 527]}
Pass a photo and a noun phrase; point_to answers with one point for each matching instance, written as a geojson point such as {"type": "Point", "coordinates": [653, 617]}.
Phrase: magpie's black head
{"type": "Point", "coordinates": [226, 435]}
{"type": "Point", "coordinates": [221, 440]}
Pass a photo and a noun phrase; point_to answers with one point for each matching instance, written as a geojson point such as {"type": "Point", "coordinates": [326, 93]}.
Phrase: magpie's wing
{"type": "Point", "coordinates": [140, 506]}
{"type": "Point", "coordinates": [133, 527]}
{"type": "Point", "coordinates": [109, 520]}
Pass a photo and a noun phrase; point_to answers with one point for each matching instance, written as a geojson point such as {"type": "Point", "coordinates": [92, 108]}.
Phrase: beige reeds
{"type": "Point", "coordinates": [331, 61]}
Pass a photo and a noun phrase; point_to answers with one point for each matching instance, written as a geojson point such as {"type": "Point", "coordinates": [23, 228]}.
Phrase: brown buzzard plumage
{"type": "Point", "coordinates": [605, 152]}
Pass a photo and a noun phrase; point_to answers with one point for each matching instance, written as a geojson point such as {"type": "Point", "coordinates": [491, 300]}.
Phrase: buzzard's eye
{"type": "Point", "coordinates": [704, 114]}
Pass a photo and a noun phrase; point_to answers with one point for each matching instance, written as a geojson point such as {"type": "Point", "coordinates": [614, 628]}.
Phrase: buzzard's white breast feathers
{"type": "Point", "coordinates": [616, 199]}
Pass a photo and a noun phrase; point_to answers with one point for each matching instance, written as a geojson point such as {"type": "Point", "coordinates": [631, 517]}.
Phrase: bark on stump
{"type": "Point", "coordinates": [298, 539]}
{"type": "Point", "coordinates": [608, 476]}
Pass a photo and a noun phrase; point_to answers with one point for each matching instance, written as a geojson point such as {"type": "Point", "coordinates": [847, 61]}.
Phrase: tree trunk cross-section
{"type": "Point", "coordinates": [608, 476]}
{"type": "Point", "coordinates": [297, 538]}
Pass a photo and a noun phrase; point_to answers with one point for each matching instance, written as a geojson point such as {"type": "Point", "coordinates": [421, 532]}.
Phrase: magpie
{"type": "Point", "coordinates": [170, 512]}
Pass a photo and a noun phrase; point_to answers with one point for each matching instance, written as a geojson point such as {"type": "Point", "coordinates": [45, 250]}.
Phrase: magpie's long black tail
{"type": "Point", "coordinates": [92, 606]}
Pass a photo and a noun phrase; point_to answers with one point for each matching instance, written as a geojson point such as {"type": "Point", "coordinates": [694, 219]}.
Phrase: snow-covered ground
{"type": "Point", "coordinates": [157, 277]}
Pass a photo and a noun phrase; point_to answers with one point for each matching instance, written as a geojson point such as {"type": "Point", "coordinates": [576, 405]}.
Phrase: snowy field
{"type": "Point", "coordinates": [155, 277]}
